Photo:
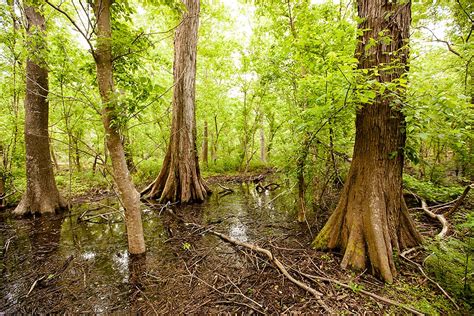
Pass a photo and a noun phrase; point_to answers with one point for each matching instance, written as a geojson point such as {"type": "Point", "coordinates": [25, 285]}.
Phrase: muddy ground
{"type": "Point", "coordinates": [78, 262]}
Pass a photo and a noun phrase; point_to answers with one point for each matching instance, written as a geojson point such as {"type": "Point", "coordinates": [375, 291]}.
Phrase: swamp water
{"type": "Point", "coordinates": [79, 262]}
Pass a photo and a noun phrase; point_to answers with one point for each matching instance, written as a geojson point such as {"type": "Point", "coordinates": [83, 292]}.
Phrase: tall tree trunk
{"type": "Point", "coordinates": [205, 144]}
{"type": "Point", "coordinates": [180, 178]}
{"type": "Point", "coordinates": [371, 220]}
{"type": "Point", "coordinates": [2, 176]}
{"type": "Point", "coordinates": [263, 148]}
{"type": "Point", "coordinates": [42, 195]}
{"type": "Point", "coordinates": [77, 155]}
{"type": "Point", "coordinates": [129, 196]}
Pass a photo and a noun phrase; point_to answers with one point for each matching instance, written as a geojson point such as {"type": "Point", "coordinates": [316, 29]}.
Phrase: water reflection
{"type": "Point", "coordinates": [104, 278]}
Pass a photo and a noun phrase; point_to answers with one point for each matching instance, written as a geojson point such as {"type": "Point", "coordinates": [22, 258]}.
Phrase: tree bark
{"type": "Point", "coordinates": [42, 195]}
{"type": "Point", "coordinates": [129, 196]}
{"type": "Point", "coordinates": [180, 178]}
{"type": "Point", "coordinates": [371, 220]}
{"type": "Point", "coordinates": [205, 145]}
{"type": "Point", "coordinates": [263, 148]}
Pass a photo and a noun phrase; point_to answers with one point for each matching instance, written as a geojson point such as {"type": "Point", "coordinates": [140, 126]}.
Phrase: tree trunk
{"type": "Point", "coordinates": [2, 177]}
{"type": "Point", "coordinates": [300, 168]}
{"type": "Point", "coordinates": [371, 220]}
{"type": "Point", "coordinates": [42, 195]}
{"type": "Point", "coordinates": [263, 148]}
{"type": "Point", "coordinates": [205, 145]}
{"type": "Point", "coordinates": [180, 178]}
{"type": "Point", "coordinates": [77, 155]}
{"type": "Point", "coordinates": [129, 196]}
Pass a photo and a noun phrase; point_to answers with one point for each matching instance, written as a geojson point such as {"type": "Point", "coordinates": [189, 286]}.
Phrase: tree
{"type": "Point", "coordinates": [371, 220]}
{"type": "Point", "coordinates": [42, 195]}
{"type": "Point", "coordinates": [180, 178]}
{"type": "Point", "coordinates": [105, 80]}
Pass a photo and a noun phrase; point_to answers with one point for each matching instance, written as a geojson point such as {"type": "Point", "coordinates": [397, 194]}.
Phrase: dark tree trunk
{"type": "Point", "coordinates": [42, 195]}
{"type": "Point", "coordinates": [77, 155]}
{"type": "Point", "coordinates": [2, 177]}
{"type": "Point", "coordinates": [129, 196]}
{"type": "Point", "coordinates": [180, 178]}
{"type": "Point", "coordinates": [371, 221]}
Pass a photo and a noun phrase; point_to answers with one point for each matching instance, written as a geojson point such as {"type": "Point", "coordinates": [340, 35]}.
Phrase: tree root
{"type": "Point", "coordinates": [439, 217]}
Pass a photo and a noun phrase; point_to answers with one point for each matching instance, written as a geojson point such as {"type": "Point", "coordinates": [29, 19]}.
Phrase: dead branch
{"type": "Point", "coordinates": [404, 256]}
{"type": "Point", "coordinates": [458, 201]}
{"type": "Point", "coordinates": [271, 187]}
{"type": "Point", "coordinates": [314, 278]}
{"type": "Point", "coordinates": [439, 217]}
{"type": "Point", "coordinates": [226, 190]}
{"type": "Point", "coordinates": [275, 261]}
{"type": "Point", "coordinates": [4, 196]}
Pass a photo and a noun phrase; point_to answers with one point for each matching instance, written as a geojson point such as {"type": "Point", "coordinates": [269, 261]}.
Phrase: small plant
{"type": "Point", "coordinates": [452, 266]}
{"type": "Point", "coordinates": [356, 288]}
{"type": "Point", "coordinates": [186, 246]}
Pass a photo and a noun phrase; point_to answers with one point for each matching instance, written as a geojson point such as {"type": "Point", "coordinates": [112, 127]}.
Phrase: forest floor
{"type": "Point", "coordinates": [78, 262]}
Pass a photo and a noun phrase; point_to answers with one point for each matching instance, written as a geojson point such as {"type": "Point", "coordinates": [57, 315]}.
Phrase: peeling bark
{"type": "Point", "coordinates": [371, 221]}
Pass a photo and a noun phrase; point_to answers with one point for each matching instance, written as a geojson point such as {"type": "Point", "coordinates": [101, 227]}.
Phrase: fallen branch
{"type": "Point", "coordinates": [373, 295]}
{"type": "Point", "coordinates": [404, 256]}
{"type": "Point", "coordinates": [439, 217]}
{"type": "Point", "coordinates": [275, 261]}
{"type": "Point", "coordinates": [4, 196]}
{"type": "Point", "coordinates": [458, 201]}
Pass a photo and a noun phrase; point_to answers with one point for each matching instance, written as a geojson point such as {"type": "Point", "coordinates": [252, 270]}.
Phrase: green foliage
{"type": "Point", "coordinates": [452, 265]}
{"type": "Point", "coordinates": [431, 191]}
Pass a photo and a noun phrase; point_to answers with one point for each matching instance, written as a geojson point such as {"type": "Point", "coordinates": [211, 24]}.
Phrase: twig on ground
{"type": "Point", "coordinates": [226, 190]}
{"type": "Point", "coordinates": [34, 285]}
{"type": "Point", "coordinates": [315, 278]}
{"type": "Point", "coordinates": [239, 303]}
{"type": "Point", "coordinates": [404, 256]}
{"type": "Point", "coordinates": [276, 262]}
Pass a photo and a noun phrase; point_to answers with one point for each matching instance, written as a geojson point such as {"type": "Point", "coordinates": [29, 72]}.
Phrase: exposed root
{"type": "Point", "coordinates": [438, 217]}
{"type": "Point", "coordinates": [43, 206]}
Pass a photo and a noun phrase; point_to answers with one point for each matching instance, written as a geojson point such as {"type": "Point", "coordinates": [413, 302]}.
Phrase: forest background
{"type": "Point", "coordinates": [276, 87]}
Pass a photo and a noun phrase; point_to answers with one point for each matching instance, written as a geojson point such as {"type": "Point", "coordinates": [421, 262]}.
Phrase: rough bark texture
{"type": "Point", "coordinates": [180, 179]}
{"type": "Point", "coordinates": [42, 195]}
{"type": "Point", "coordinates": [371, 220]}
{"type": "Point", "coordinates": [129, 196]}
{"type": "Point", "coordinates": [205, 144]}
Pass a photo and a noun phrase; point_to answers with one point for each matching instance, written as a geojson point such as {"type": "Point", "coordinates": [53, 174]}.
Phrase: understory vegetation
{"type": "Point", "coordinates": [277, 89]}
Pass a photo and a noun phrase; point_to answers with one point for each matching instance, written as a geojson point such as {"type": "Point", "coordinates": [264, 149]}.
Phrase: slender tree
{"type": "Point", "coordinates": [371, 220]}
{"type": "Point", "coordinates": [128, 194]}
{"type": "Point", "coordinates": [42, 195]}
{"type": "Point", "coordinates": [180, 178]}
